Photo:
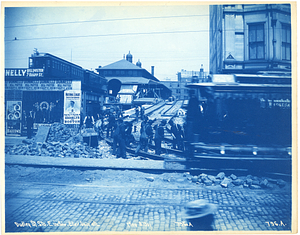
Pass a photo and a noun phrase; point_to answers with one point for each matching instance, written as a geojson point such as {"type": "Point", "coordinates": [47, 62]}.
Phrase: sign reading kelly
{"type": "Point", "coordinates": [24, 72]}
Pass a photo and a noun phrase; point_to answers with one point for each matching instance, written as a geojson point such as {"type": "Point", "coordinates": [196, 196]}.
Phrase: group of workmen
{"type": "Point", "coordinates": [121, 132]}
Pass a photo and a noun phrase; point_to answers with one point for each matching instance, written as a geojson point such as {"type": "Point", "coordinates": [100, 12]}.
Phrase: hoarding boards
{"type": "Point", "coordinates": [13, 117]}
{"type": "Point", "coordinates": [40, 85]}
{"type": "Point", "coordinates": [72, 104]}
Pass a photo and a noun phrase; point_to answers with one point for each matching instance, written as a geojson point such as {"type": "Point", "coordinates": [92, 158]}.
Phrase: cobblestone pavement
{"type": "Point", "coordinates": [32, 207]}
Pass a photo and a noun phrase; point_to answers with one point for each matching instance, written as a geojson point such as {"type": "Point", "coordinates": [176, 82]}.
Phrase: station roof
{"type": "Point", "coordinates": [121, 64]}
{"type": "Point", "coordinates": [134, 80]}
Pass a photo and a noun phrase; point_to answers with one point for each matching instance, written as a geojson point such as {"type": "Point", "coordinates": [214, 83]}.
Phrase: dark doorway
{"type": "Point", "coordinates": [47, 105]}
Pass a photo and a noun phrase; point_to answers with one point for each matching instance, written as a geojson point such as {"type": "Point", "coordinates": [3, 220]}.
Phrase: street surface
{"type": "Point", "coordinates": [66, 194]}
{"type": "Point", "coordinates": [67, 200]}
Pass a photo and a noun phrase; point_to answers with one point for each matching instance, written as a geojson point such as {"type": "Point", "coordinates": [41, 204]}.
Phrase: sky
{"type": "Point", "coordinates": [169, 37]}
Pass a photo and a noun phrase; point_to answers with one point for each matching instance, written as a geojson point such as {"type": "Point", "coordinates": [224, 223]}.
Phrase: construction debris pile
{"type": "Point", "coordinates": [61, 133]}
{"type": "Point", "coordinates": [61, 142]}
{"type": "Point", "coordinates": [249, 181]}
{"type": "Point", "coordinates": [57, 149]}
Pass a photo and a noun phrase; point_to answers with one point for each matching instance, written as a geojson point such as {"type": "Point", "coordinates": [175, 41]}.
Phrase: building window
{"type": "Point", "coordinates": [256, 42]}
{"type": "Point", "coordinates": [286, 42]}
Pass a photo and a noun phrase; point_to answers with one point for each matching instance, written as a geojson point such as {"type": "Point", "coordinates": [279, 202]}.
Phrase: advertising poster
{"type": "Point", "coordinates": [72, 103]}
{"type": "Point", "coordinates": [14, 117]}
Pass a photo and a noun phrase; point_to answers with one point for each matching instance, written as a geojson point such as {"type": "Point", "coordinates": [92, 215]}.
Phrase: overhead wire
{"type": "Point", "coordinates": [116, 34]}
{"type": "Point", "coordinates": [105, 20]}
{"type": "Point", "coordinates": [108, 35]}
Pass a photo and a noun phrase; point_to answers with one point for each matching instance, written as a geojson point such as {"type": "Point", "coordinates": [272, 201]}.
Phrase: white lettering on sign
{"type": "Point", "coordinates": [282, 103]}
{"type": "Point", "coordinates": [35, 70]}
{"type": "Point", "coordinates": [35, 75]}
{"type": "Point", "coordinates": [24, 72]}
{"type": "Point", "coordinates": [40, 85]}
{"type": "Point", "coordinates": [15, 72]}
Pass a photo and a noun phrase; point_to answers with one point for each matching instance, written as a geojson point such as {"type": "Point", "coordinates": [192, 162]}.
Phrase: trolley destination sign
{"type": "Point", "coordinates": [24, 72]}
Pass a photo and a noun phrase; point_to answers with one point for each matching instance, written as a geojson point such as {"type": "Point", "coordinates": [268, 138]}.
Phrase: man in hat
{"type": "Point", "coordinates": [89, 121]}
{"type": "Point", "coordinates": [159, 135]}
{"type": "Point", "coordinates": [199, 214]}
{"type": "Point", "coordinates": [143, 143]}
{"type": "Point", "coordinates": [116, 137]}
{"type": "Point", "coordinates": [149, 131]}
{"type": "Point", "coordinates": [121, 139]}
{"type": "Point", "coordinates": [30, 121]}
{"type": "Point", "coordinates": [110, 125]}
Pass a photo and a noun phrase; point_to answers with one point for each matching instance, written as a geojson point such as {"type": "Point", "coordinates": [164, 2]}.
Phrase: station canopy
{"type": "Point", "coordinates": [128, 89]}
{"type": "Point", "coordinates": [135, 80]}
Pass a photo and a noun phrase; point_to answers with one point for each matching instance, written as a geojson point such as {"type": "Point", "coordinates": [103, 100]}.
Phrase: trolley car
{"type": "Point", "coordinates": [241, 123]}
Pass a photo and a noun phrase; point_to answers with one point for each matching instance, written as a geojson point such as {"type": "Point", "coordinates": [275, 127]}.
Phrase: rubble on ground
{"type": "Point", "coordinates": [61, 142]}
{"type": "Point", "coordinates": [57, 149]}
{"type": "Point", "coordinates": [61, 133]}
{"type": "Point", "coordinates": [221, 180]}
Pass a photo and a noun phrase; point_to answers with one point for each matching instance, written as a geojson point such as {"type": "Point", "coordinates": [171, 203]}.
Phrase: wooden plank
{"type": "Point", "coordinates": [42, 133]}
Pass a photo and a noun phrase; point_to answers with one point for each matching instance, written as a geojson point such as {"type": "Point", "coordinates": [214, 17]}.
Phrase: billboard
{"type": "Point", "coordinates": [13, 117]}
{"type": "Point", "coordinates": [72, 104]}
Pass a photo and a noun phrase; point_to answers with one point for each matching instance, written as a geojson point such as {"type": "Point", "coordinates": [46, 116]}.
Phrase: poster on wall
{"type": "Point", "coordinates": [72, 104]}
{"type": "Point", "coordinates": [13, 117]}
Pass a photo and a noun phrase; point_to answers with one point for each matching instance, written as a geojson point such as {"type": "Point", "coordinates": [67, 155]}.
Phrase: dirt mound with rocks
{"type": "Point", "coordinates": [61, 142]}
{"type": "Point", "coordinates": [232, 181]}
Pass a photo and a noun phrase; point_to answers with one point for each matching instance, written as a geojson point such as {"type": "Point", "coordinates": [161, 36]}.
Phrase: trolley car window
{"type": "Point", "coordinates": [256, 42]}
{"type": "Point", "coordinates": [286, 42]}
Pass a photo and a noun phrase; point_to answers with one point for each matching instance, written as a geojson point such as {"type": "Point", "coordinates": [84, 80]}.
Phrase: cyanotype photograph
{"type": "Point", "coordinates": [137, 117]}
